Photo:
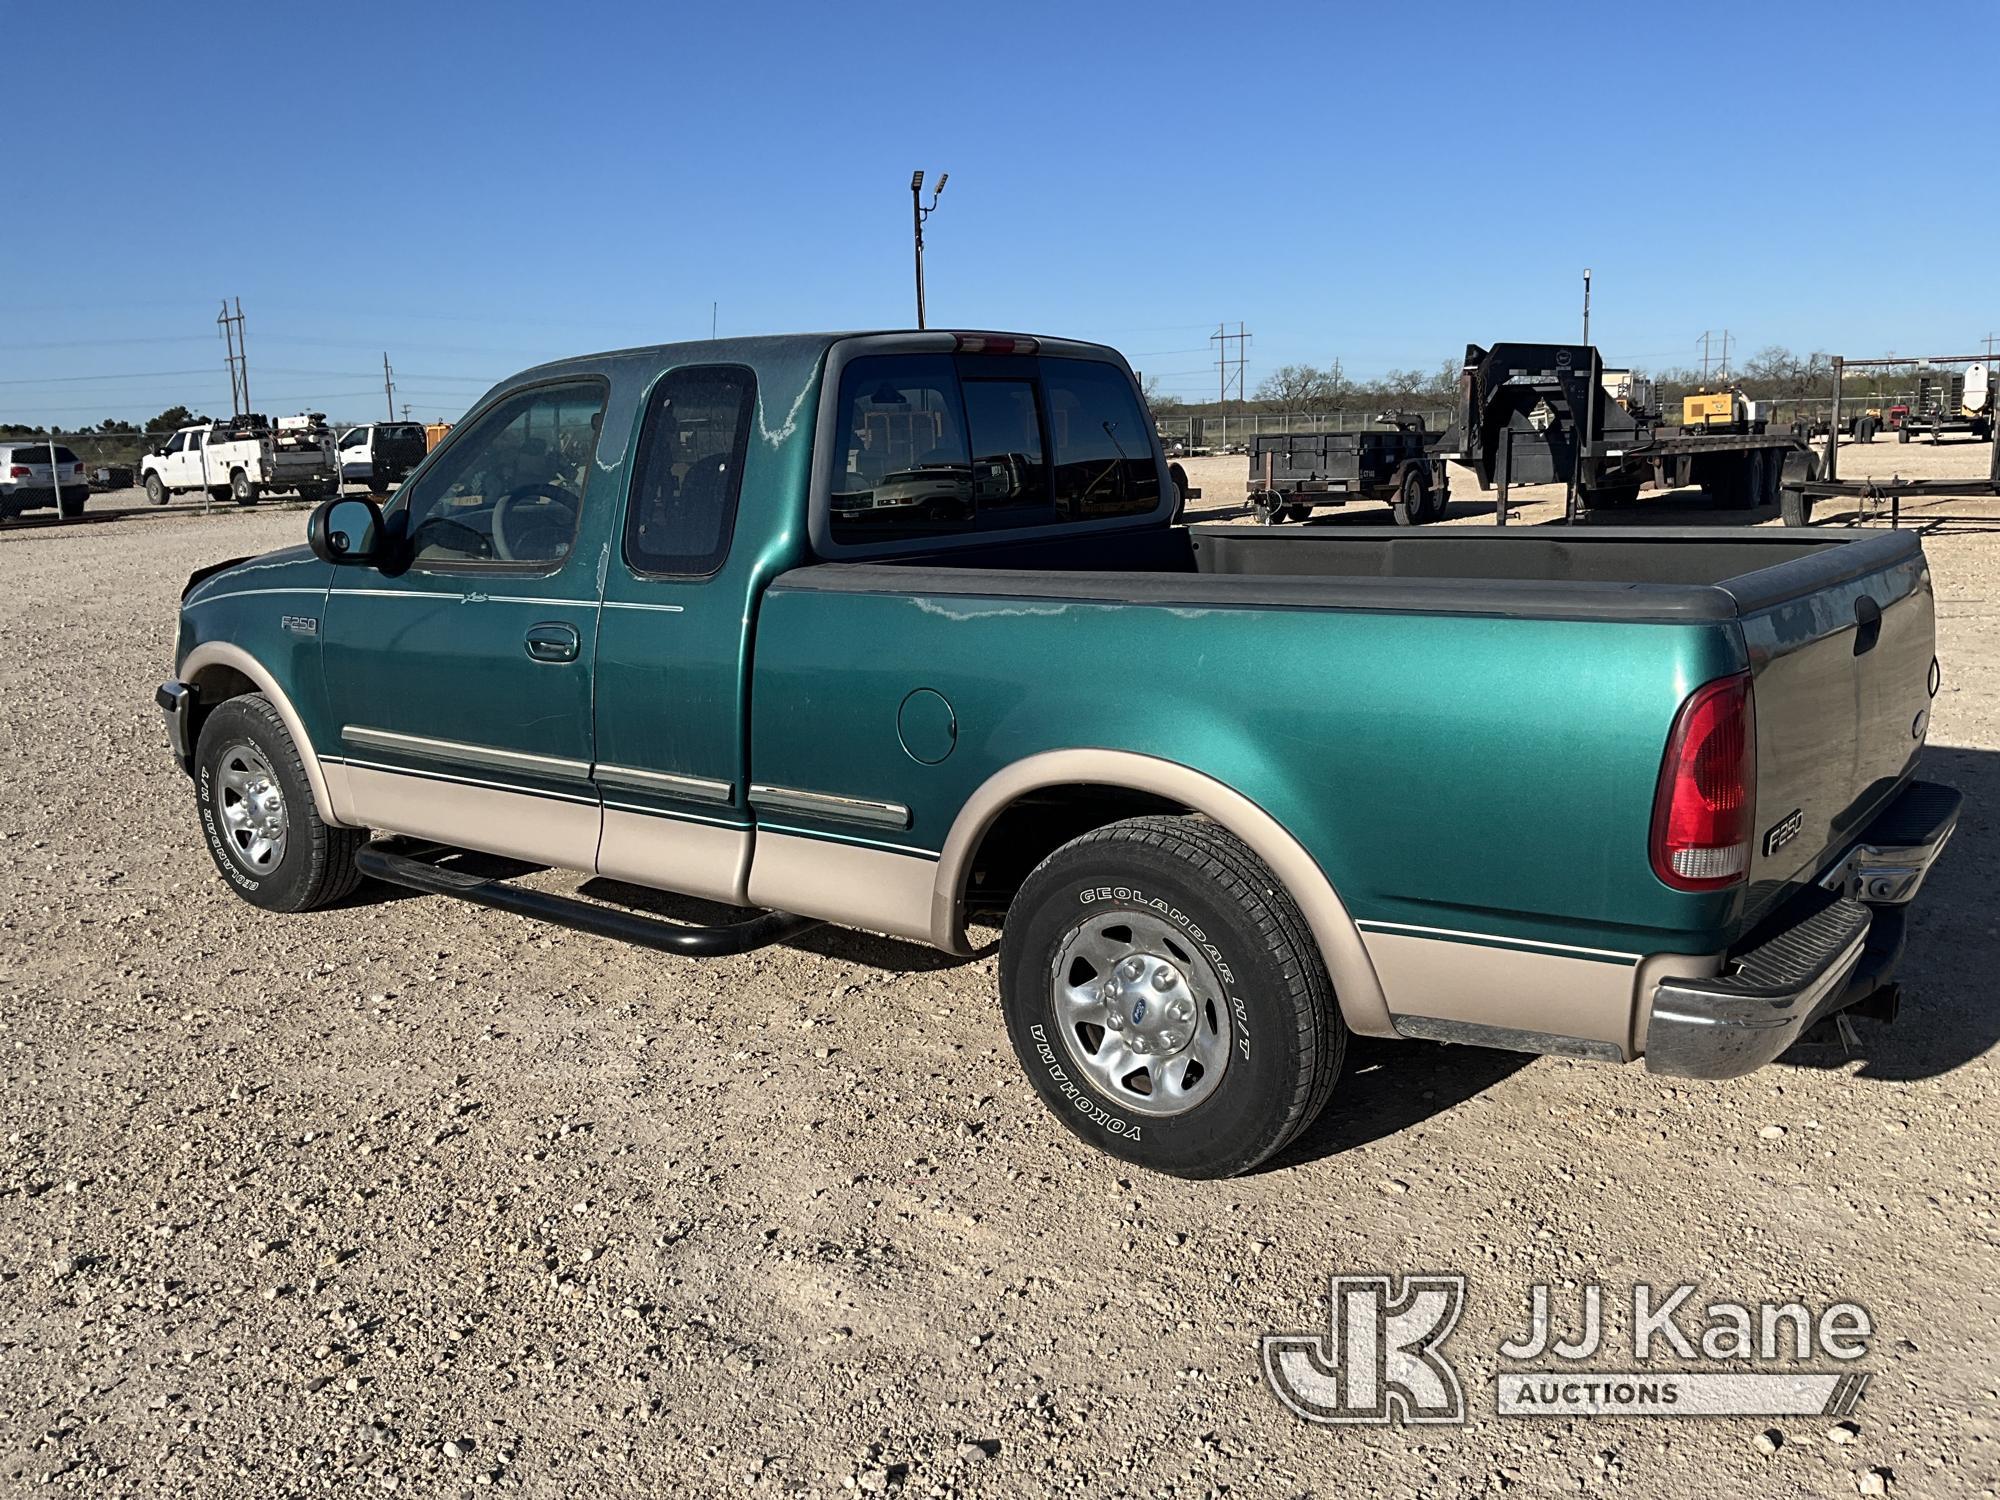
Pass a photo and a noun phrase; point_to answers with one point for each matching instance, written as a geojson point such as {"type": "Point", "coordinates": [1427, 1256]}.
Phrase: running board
{"type": "Point", "coordinates": [398, 863]}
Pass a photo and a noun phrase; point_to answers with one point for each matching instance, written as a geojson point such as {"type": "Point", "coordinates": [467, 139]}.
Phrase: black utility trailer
{"type": "Point", "coordinates": [1292, 472]}
{"type": "Point", "coordinates": [1539, 414]}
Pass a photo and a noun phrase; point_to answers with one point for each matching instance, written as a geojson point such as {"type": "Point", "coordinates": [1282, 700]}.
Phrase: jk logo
{"type": "Point", "coordinates": [1379, 1361]}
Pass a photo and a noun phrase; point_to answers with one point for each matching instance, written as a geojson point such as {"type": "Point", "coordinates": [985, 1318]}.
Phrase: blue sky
{"type": "Point", "coordinates": [479, 188]}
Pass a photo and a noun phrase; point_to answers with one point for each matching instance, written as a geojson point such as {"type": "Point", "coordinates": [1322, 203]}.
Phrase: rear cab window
{"type": "Point", "coordinates": [938, 445]}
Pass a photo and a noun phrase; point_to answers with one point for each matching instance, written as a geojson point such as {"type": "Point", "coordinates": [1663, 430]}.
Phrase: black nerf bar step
{"type": "Point", "coordinates": [401, 863]}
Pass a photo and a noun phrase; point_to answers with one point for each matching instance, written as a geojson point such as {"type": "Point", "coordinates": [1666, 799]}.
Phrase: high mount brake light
{"type": "Point", "coordinates": [1705, 806]}
{"type": "Point", "coordinates": [994, 343]}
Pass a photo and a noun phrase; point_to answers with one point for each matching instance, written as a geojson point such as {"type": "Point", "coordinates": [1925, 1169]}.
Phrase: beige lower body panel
{"type": "Point", "coordinates": [705, 860]}
{"type": "Point", "coordinates": [875, 889]}
{"type": "Point", "coordinates": [1557, 994]}
{"type": "Point", "coordinates": [544, 830]}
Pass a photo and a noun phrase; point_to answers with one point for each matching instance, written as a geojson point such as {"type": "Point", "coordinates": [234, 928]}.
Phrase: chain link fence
{"type": "Point", "coordinates": [1226, 430]}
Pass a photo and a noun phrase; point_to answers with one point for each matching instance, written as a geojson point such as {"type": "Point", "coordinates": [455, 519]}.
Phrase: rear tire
{"type": "Point", "coordinates": [1232, 1026]}
{"type": "Point", "coordinates": [70, 506]}
{"type": "Point", "coordinates": [241, 490]}
{"type": "Point", "coordinates": [156, 491]}
{"type": "Point", "coordinates": [257, 814]}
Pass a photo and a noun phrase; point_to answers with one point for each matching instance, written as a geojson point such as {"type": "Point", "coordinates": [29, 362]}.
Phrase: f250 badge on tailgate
{"type": "Point", "coordinates": [1784, 830]}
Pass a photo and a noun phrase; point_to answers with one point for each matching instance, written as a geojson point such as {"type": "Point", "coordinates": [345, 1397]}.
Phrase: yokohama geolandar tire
{"type": "Point", "coordinates": [257, 813]}
{"type": "Point", "coordinates": [1167, 999]}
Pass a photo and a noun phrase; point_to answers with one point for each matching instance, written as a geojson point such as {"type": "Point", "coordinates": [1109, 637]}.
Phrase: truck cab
{"type": "Point", "coordinates": [381, 454]}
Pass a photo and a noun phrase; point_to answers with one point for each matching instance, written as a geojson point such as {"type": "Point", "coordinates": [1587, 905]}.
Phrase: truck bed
{"type": "Point", "coordinates": [1632, 573]}
{"type": "Point", "coordinates": [1467, 650]}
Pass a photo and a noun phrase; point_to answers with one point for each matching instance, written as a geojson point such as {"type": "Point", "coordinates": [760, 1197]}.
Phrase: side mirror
{"type": "Point", "coordinates": [345, 529]}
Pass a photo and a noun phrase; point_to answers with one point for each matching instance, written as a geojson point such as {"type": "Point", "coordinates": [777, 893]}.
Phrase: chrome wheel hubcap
{"type": "Point", "coordinates": [252, 805]}
{"type": "Point", "coordinates": [1142, 1012]}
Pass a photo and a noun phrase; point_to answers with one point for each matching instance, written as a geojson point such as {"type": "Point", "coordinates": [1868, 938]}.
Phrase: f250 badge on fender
{"type": "Point", "coordinates": [1784, 830]}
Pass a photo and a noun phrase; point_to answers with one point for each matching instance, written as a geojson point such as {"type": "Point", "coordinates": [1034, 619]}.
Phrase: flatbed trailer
{"type": "Point", "coordinates": [1539, 414]}
{"type": "Point", "coordinates": [1293, 472]}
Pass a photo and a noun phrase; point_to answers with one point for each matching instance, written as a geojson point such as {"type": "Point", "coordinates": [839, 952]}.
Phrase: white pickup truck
{"type": "Point", "coordinates": [244, 458]}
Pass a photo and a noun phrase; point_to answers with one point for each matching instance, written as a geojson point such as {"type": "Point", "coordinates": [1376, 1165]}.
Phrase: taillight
{"type": "Point", "coordinates": [19, 471]}
{"type": "Point", "coordinates": [1706, 803]}
{"type": "Point", "coordinates": [994, 343]}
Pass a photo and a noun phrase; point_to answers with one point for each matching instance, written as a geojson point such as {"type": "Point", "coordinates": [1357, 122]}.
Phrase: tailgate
{"type": "Point", "coordinates": [1842, 679]}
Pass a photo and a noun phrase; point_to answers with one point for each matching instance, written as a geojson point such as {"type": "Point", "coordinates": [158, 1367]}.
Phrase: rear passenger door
{"type": "Point", "coordinates": [672, 644]}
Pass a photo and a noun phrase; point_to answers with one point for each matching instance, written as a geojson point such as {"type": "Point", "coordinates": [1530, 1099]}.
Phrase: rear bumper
{"type": "Point", "coordinates": [1835, 946]}
{"type": "Point", "coordinates": [27, 497]}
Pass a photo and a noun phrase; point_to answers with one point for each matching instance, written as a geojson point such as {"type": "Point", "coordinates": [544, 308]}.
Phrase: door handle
{"type": "Point", "coordinates": [553, 642]}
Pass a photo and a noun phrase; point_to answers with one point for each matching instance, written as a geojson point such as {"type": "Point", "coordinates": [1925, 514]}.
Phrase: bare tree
{"type": "Point", "coordinates": [1303, 387]}
{"type": "Point", "coordinates": [1158, 402]}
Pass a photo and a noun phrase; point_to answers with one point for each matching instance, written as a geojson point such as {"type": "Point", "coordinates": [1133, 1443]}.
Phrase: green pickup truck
{"type": "Point", "coordinates": [902, 631]}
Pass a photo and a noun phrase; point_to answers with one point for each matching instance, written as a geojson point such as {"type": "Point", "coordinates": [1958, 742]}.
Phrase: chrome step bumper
{"type": "Point", "coordinates": [1839, 945]}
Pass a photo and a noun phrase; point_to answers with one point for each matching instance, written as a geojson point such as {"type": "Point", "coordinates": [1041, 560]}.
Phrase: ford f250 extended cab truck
{"type": "Point", "coordinates": [898, 630]}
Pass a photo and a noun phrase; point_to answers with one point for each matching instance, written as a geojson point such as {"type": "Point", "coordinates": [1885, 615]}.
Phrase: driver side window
{"type": "Point", "coordinates": [508, 492]}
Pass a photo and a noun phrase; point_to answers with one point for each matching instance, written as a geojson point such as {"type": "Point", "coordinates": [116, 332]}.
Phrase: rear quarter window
{"type": "Point", "coordinates": [682, 512]}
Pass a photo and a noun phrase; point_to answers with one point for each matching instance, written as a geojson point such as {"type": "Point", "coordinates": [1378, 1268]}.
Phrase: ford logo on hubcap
{"type": "Point", "coordinates": [1138, 1013]}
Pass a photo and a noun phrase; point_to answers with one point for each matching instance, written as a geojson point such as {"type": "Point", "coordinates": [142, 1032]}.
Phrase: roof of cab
{"type": "Point", "coordinates": [749, 349]}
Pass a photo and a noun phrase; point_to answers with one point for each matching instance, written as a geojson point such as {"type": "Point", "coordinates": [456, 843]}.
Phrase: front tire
{"type": "Point", "coordinates": [257, 813]}
{"type": "Point", "coordinates": [156, 490]}
{"type": "Point", "coordinates": [1167, 1000]}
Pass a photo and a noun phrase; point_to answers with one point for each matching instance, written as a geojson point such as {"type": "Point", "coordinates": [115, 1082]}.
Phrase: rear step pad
{"type": "Point", "coordinates": [400, 863]}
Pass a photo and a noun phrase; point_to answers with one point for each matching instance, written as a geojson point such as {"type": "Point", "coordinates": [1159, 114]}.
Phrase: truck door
{"type": "Point", "coordinates": [672, 644]}
{"type": "Point", "coordinates": [459, 679]}
{"type": "Point", "coordinates": [187, 464]}
{"type": "Point", "coordinates": [353, 451]}
{"type": "Point", "coordinates": [169, 467]}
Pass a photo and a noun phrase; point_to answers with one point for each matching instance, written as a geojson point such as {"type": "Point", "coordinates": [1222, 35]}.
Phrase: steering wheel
{"type": "Point", "coordinates": [506, 546]}
{"type": "Point", "coordinates": [453, 535]}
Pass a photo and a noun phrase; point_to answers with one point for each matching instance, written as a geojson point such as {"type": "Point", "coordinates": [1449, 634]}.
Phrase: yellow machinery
{"type": "Point", "coordinates": [434, 434]}
{"type": "Point", "coordinates": [1709, 409]}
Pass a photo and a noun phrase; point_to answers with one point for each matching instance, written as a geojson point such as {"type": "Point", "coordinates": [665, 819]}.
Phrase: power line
{"type": "Point", "coordinates": [132, 375]}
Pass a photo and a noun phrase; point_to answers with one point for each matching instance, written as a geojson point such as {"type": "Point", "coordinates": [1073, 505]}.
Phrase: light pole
{"type": "Point", "coordinates": [1586, 305]}
{"type": "Point", "coordinates": [919, 213]}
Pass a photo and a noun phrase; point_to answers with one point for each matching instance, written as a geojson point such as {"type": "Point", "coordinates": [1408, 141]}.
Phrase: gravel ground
{"type": "Point", "coordinates": [413, 1196]}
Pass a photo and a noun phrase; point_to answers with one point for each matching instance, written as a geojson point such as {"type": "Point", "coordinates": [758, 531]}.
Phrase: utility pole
{"type": "Point", "coordinates": [1990, 338]}
{"type": "Point", "coordinates": [1586, 306]}
{"type": "Point", "coordinates": [238, 356]}
{"type": "Point", "coordinates": [919, 213]}
{"type": "Point", "coordinates": [1222, 338]}
{"type": "Point", "coordinates": [389, 385]}
{"type": "Point", "coordinates": [406, 411]}
{"type": "Point", "coordinates": [1721, 366]}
